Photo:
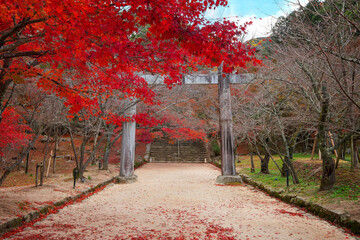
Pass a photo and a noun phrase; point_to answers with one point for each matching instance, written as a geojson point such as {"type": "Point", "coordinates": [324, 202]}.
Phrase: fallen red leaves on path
{"type": "Point", "coordinates": [282, 211]}
{"type": "Point", "coordinates": [52, 210]}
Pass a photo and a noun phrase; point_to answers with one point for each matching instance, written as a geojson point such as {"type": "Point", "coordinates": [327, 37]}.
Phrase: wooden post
{"type": "Point", "coordinates": [48, 168]}
{"type": "Point", "coordinates": [128, 145]}
{"type": "Point", "coordinates": [37, 174]}
{"type": "Point", "coordinates": [333, 144]}
{"type": "Point", "coordinates": [226, 126]}
{"type": "Point", "coordinates": [41, 166]}
{"type": "Point", "coordinates": [313, 149]}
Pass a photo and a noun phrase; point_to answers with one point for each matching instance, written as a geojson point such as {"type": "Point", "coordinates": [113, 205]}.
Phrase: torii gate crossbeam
{"type": "Point", "coordinates": [228, 172]}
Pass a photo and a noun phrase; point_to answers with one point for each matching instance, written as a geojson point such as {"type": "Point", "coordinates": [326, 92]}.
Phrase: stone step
{"type": "Point", "coordinates": [172, 156]}
{"type": "Point", "coordinates": [185, 151]}
{"type": "Point", "coordinates": [181, 154]}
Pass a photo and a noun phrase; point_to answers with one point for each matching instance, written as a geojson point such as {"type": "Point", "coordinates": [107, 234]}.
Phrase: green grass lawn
{"type": "Point", "coordinates": [347, 187]}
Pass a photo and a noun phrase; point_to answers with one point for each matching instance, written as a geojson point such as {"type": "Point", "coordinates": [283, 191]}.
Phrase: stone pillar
{"type": "Point", "coordinates": [228, 171]}
{"type": "Point", "coordinates": [147, 152]}
{"type": "Point", "coordinates": [128, 148]}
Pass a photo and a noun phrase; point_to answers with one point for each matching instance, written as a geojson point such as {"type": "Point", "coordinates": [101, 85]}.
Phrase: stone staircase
{"type": "Point", "coordinates": [182, 151]}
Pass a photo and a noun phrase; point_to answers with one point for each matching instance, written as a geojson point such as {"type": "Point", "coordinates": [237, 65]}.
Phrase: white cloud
{"type": "Point", "coordinates": [261, 27]}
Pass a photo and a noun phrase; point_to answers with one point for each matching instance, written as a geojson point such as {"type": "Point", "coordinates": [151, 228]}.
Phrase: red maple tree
{"type": "Point", "coordinates": [78, 49]}
{"type": "Point", "coordinates": [13, 131]}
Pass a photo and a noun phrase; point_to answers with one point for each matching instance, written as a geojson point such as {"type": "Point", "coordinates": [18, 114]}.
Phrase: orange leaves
{"type": "Point", "coordinates": [184, 134]}
{"type": "Point", "coordinates": [156, 135]}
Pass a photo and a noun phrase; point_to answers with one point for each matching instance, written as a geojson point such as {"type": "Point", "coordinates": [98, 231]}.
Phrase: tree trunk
{"type": "Point", "coordinates": [344, 151]}
{"type": "Point", "coordinates": [354, 154]}
{"type": "Point", "coordinates": [285, 167]}
{"type": "Point", "coordinates": [291, 150]}
{"type": "Point", "coordinates": [46, 149]}
{"type": "Point", "coordinates": [252, 163]}
{"type": "Point", "coordinates": [96, 145]}
{"type": "Point", "coordinates": [341, 154]}
{"type": "Point", "coordinates": [4, 176]}
{"type": "Point", "coordinates": [288, 166]}
{"type": "Point", "coordinates": [27, 162]}
{"type": "Point", "coordinates": [328, 176]}
{"type": "Point", "coordinates": [106, 159]}
{"type": "Point", "coordinates": [93, 156]}
{"type": "Point", "coordinates": [293, 173]}
{"type": "Point", "coordinates": [265, 163]}
{"type": "Point", "coordinates": [55, 148]}
{"type": "Point", "coordinates": [81, 168]}
{"type": "Point", "coordinates": [107, 152]}
{"type": "Point", "coordinates": [73, 148]}
{"type": "Point", "coordinates": [4, 85]}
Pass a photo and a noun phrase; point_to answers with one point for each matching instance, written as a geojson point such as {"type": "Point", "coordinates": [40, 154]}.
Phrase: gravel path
{"type": "Point", "coordinates": [181, 201]}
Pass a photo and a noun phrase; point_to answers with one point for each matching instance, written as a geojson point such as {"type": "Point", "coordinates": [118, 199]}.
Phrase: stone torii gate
{"type": "Point", "coordinates": [228, 173]}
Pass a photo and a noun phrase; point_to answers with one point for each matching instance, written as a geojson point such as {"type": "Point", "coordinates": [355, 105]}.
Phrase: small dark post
{"type": "Point", "coordinates": [41, 174]}
{"type": "Point", "coordinates": [36, 175]}
{"type": "Point", "coordinates": [100, 165]}
{"type": "Point", "coordinates": [75, 172]}
{"type": "Point", "coordinates": [38, 168]}
{"type": "Point", "coordinates": [27, 162]}
{"type": "Point", "coordinates": [252, 163]}
{"type": "Point", "coordinates": [287, 177]}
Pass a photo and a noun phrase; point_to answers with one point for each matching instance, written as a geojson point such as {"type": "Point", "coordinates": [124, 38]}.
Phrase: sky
{"type": "Point", "coordinates": [263, 14]}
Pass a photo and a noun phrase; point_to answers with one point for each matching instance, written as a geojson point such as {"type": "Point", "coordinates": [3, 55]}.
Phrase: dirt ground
{"type": "Point", "coordinates": [181, 201]}
{"type": "Point", "coordinates": [17, 201]}
{"type": "Point", "coordinates": [65, 162]}
{"type": "Point", "coordinates": [18, 194]}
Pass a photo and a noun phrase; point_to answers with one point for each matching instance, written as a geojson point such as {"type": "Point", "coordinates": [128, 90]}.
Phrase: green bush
{"type": "Point", "coordinates": [215, 148]}
{"type": "Point", "coordinates": [137, 164]}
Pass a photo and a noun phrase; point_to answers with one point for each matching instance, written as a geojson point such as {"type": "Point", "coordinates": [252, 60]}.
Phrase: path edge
{"type": "Point", "coordinates": [47, 209]}
{"type": "Point", "coordinates": [44, 210]}
{"type": "Point", "coordinates": [338, 217]}
{"type": "Point", "coordinates": [335, 217]}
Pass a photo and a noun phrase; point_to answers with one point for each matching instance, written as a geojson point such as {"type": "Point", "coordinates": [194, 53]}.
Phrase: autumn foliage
{"type": "Point", "coordinates": [98, 45]}
{"type": "Point", "coordinates": [13, 131]}
{"type": "Point", "coordinates": [89, 51]}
